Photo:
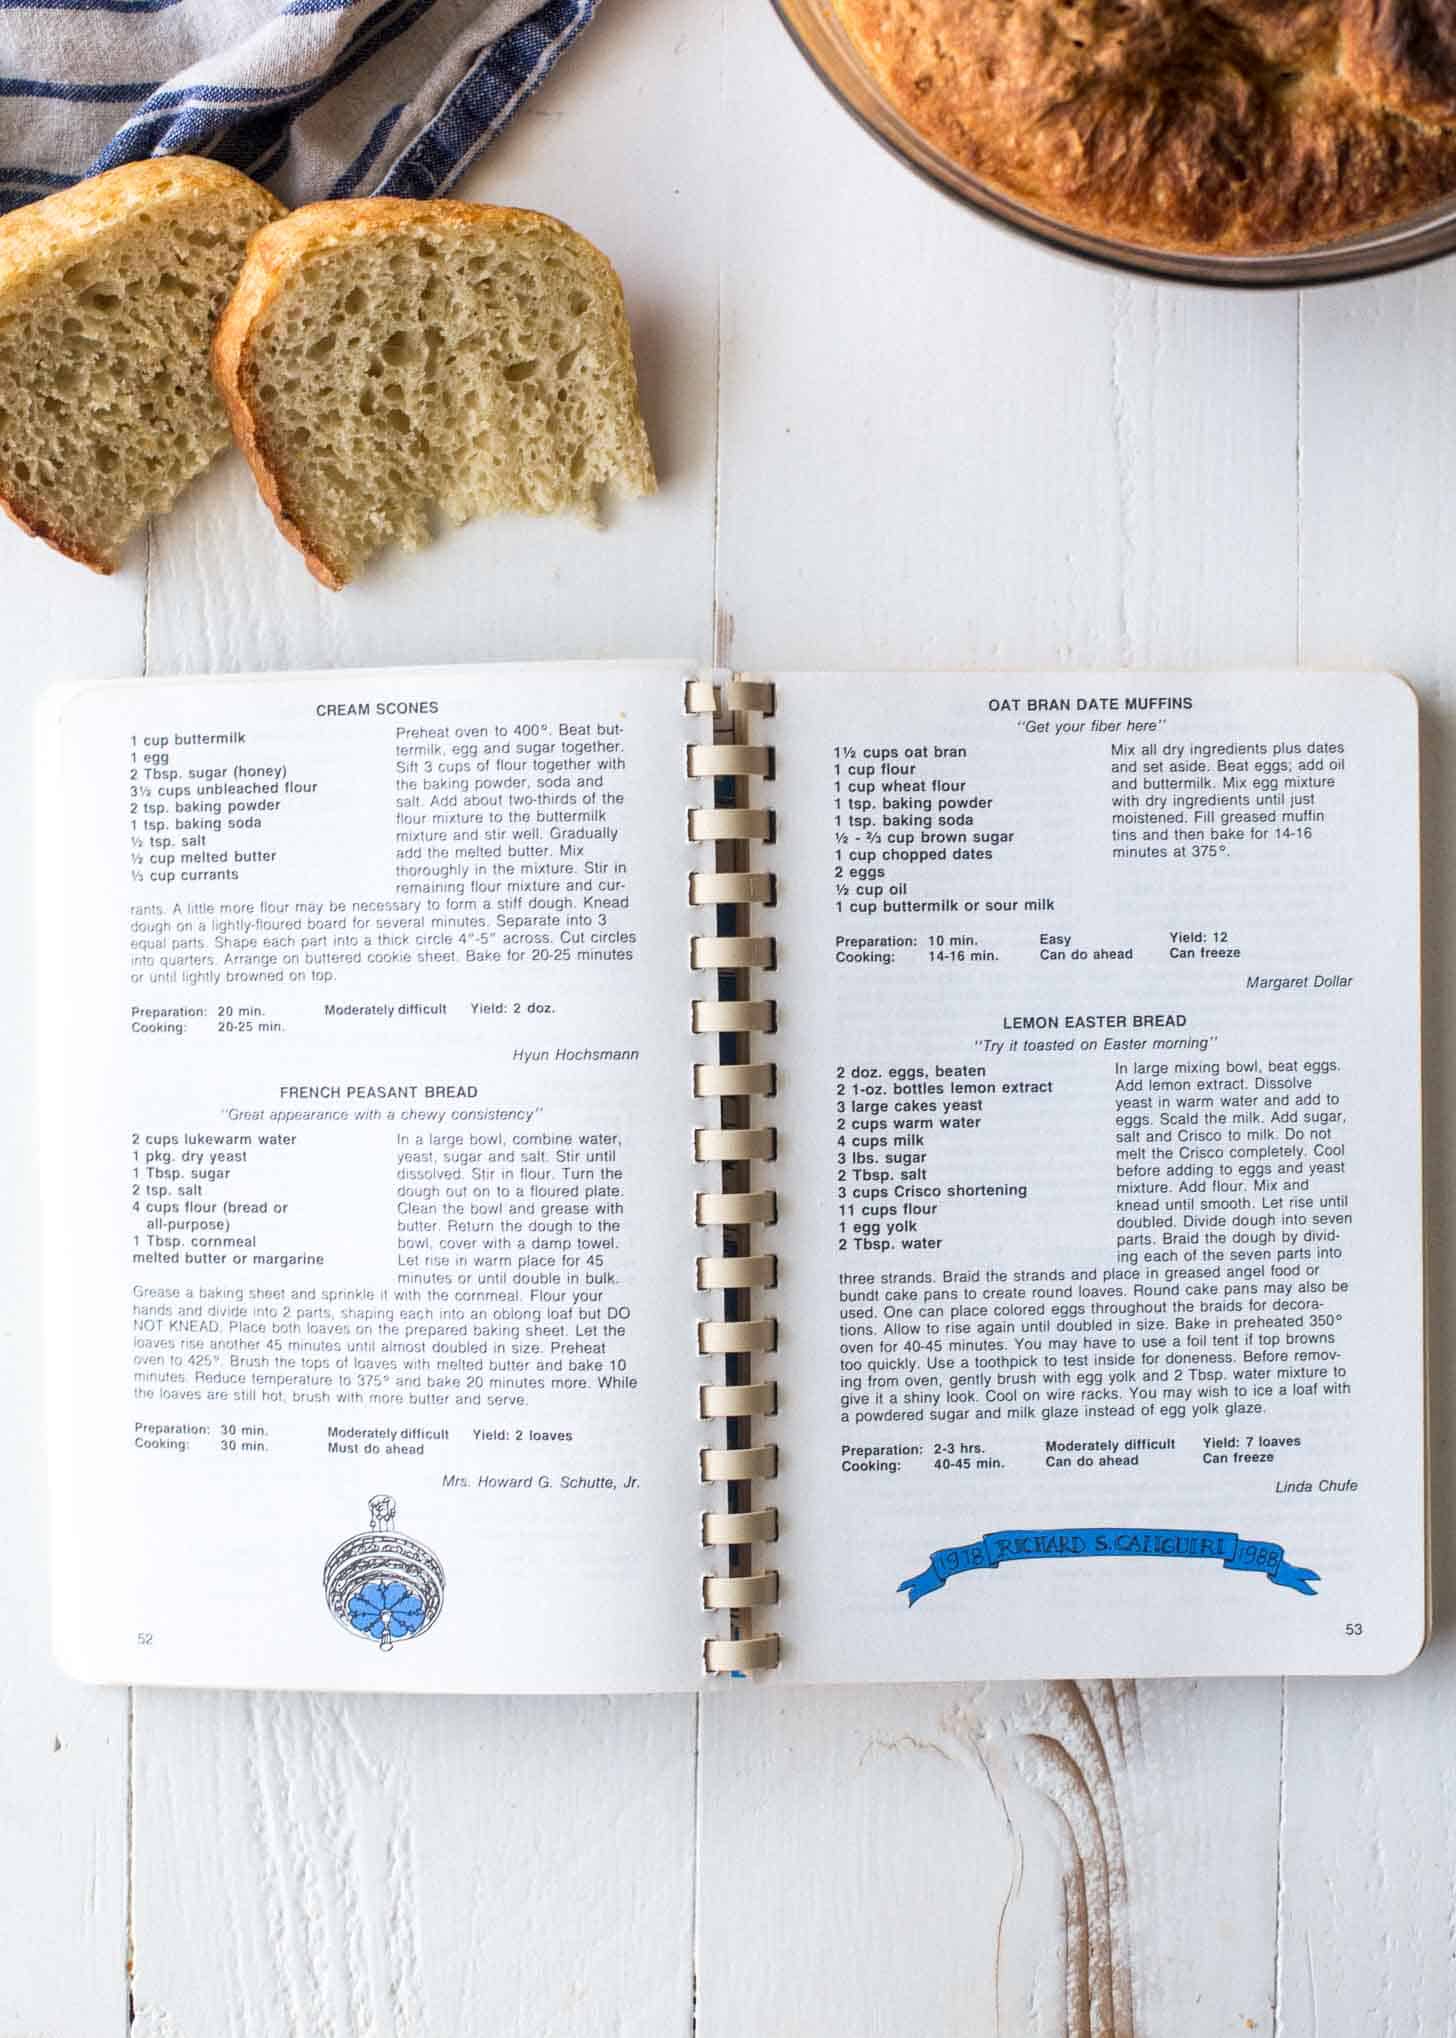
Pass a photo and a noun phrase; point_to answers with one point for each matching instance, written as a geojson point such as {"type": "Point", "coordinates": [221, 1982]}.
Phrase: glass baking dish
{"type": "Point", "coordinates": [816, 28]}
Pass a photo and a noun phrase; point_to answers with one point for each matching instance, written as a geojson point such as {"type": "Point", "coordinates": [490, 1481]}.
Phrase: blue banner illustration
{"type": "Point", "coordinates": [1009, 1546]}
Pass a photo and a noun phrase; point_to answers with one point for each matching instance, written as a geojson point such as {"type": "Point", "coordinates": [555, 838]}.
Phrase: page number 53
{"type": "Point", "coordinates": [1354, 1627]}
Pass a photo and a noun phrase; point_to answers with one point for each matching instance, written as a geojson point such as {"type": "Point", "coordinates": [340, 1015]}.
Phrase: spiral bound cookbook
{"type": "Point", "coordinates": [602, 1177]}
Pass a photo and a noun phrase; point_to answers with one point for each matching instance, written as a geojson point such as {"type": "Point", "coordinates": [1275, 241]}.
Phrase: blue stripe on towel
{"type": "Point", "coordinates": [92, 6]}
{"type": "Point", "coordinates": [349, 180]}
{"type": "Point", "coordinates": [485, 100]}
{"type": "Point", "coordinates": [80, 95]}
{"type": "Point", "coordinates": [51, 180]}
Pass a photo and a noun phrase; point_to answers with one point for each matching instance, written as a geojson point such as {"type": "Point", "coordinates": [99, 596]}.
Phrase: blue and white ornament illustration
{"type": "Point", "coordinates": [383, 1586]}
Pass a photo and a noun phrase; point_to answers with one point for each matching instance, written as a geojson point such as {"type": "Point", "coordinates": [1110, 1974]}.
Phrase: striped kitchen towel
{"type": "Point", "coordinates": [317, 98]}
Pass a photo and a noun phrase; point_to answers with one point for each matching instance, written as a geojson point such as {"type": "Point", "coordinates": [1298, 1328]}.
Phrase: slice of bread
{"type": "Point", "coordinates": [384, 355]}
{"type": "Point", "coordinates": [109, 293]}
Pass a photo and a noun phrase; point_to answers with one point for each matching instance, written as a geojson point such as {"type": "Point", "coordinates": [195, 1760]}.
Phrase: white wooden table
{"type": "Point", "coordinates": [888, 435]}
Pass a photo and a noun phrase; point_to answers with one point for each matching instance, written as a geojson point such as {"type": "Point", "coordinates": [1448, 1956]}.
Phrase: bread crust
{"type": "Point", "coordinates": [34, 525]}
{"type": "Point", "coordinates": [55, 231]}
{"type": "Point", "coordinates": [276, 255]}
{"type": "Point", "coordinates": [1246, 126]}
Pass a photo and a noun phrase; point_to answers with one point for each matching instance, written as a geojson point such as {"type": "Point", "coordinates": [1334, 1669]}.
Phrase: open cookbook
{"type": "Point", "coordinates": [600, 1177]}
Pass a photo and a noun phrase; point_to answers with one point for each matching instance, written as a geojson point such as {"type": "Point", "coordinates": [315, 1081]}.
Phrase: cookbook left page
{"type": "Point", "coordinates": [367, 1161]}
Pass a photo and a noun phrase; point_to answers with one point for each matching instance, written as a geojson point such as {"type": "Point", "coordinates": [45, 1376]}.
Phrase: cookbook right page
{"type": "Point", "coordinates": [1100, 1282]}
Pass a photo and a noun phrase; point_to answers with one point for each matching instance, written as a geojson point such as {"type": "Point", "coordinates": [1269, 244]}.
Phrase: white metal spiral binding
{"type": "Point", "coordinates": [739, 1146]}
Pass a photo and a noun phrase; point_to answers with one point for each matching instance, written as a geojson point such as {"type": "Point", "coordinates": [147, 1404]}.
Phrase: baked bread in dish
{"type": "Point", "coordinates": [1253, 126]}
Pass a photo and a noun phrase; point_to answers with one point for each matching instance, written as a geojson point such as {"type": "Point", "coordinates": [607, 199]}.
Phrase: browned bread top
{"type": "Point", "coordinates": [71, 222]}
{"type": "Point", "coordinates": [1258, 125]}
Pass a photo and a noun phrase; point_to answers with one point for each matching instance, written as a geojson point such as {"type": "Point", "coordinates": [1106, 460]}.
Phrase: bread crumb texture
{"type": "Point", "coordinates": [386, 357]}
{"type": "Point", "coordinates": [109, 293]}
{"type": "Point", "coordinates": [1253, 125]}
